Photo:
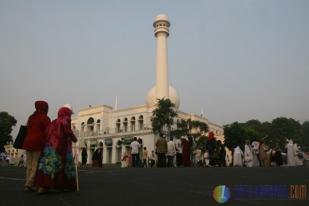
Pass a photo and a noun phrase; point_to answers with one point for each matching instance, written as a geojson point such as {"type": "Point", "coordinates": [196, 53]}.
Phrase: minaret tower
{"type": "Point", "coordinates": [162, 89]}
{"type": "Point", "coordinates": [161, 31]}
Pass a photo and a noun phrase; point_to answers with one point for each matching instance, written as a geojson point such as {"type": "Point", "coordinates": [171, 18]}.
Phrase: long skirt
{"type": "Point", "coordinates": [56, 170]}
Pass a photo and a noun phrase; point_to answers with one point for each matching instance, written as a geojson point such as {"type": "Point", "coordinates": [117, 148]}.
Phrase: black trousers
{"type": "Point", "coordinates": [170, 161]}
{"type": "Point", "coordinates": [135, 160]}
{"type": "Point", "coordinates": [179, 159]}
{"type": "Point", "coordinates": [161, 159]}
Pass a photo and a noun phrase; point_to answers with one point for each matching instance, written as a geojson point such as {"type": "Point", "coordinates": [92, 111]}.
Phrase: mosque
{"type": "Point", "coordinates": [115, 128]}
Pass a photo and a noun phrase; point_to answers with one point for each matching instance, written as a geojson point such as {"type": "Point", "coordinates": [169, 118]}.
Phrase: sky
{"type": "Point", "coordinates": [237, 60]}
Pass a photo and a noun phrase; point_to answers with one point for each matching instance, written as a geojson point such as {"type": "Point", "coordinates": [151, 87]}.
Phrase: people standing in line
{"type": "Point", "coordinates": [135, 145]}
{"type": "Point", "coordinates": [255, 153]}
{"type": "Point", "coordinates": [56, 168]}
{"type": "Point", "coordinates": [171, 152]}
{"type": "Point", "coordinates": [178, 152]}
{"type": "Point", "coordinates": [152, 159]}
{"type": "Point", "coordinates": [34, 141]}
{"type": "Point", "coordinates": [263, 154]}
{"type": "Point", "coordinates": [222, 154]}
{"type": "Point", "coordinates": [185, 152]}
{"type": "Point", "coordinates": [248, 155]}
{"type": "Point", "coordinates": [290, 153]}
{"type": "Point", "coordinates": [238, 157]}
{"type": "Point", "coordinates": [145, 157]}
{"type": "Point", "coordinates": [161, 149]}
{"type": "Point", "coordinates": [84, 156]}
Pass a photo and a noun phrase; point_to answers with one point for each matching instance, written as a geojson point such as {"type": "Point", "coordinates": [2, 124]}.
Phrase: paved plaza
{"type": "Point", "coordinates": [182, 186]}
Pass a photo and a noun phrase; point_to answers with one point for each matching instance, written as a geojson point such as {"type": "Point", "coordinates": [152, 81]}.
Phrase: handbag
{"type": "Point", "coordinates": [20, 138]}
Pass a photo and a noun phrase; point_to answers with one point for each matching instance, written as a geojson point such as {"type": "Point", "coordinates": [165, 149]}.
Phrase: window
{"type": "Point", "coordinates": [125, 124]}
{"type": "Point", "coordinates": [90, 124]}
{"type": "Point", "coordinates": [140, 122]}
{"type": "Point", "coordinates": [82, 127]}
{"type": "Point", "coordinates": [118, 125]}
{"type": "Point", "coordinates": [98, 126]}
{"type": "Point", "coordinates": [132, 122]}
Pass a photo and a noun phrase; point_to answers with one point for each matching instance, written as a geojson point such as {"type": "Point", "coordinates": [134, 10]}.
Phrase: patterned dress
{"type": "Point", "coordinates": [56, 169]}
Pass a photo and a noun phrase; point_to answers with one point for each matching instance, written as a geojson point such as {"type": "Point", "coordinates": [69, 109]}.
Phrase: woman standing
{"type": "Point", "coordinates": [56, 168]}
{"type": "Point", "coordinates": [34, 141]}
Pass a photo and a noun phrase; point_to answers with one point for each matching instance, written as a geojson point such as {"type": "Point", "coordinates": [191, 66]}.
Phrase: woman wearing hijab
{"type": "Point", "coordinates": [34, 141]}
{"type": "Point", "coordinates": [56, 168]}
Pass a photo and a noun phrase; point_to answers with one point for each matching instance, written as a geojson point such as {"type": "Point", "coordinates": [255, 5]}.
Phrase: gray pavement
{"type": "Point", "coordinates": [182, 186]}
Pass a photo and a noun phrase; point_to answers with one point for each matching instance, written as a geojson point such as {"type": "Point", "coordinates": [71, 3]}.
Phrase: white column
{"type": "Point", "coordinates": [162, 84]}
{"type": "Point", "coordinates": [89, 153]}
{"type": "Point", "coordinates": [114, 153]}
{"type": "Point", "coordinates": [105, 154]}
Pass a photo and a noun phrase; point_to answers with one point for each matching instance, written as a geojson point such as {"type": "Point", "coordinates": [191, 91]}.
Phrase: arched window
{"type": "Point", "coordinates": [98, 126]}
{"type": "Point", "coordinates": [132, 123]}
{"type": "Point", "coordinates": [125, 124]}
{"type": "Point", "coordinates": [140, 122]}
{"type": "Point", "coordinates": [82, 127]}
{"type": "Point", "coordinates": [118, 122]}
{"type": "Point", "coordinates": [90, 124]}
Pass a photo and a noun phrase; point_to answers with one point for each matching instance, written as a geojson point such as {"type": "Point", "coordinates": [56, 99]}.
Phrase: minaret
{"type": "Point", "coordinates": [161, 31]}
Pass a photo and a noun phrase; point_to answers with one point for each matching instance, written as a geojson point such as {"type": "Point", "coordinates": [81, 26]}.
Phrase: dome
{"type": "Point", "coordinates": [151, 98]}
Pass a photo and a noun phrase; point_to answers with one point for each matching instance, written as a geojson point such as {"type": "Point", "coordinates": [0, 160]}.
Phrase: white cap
{"type": "Point", "coordinates": [68, 106]}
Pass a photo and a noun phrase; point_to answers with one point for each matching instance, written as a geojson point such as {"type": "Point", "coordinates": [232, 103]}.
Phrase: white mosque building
{"type": "Point", "coordinates": [115, 128]}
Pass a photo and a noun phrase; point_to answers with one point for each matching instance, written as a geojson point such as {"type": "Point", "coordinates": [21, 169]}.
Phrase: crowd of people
{"type": "Point", "coordinates": [185, 152]}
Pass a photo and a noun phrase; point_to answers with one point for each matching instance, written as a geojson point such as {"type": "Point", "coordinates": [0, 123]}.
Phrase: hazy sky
{"type": "Point", "coordinates": [239, 60]}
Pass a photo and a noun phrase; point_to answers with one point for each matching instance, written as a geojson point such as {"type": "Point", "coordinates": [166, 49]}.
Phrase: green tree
{"type": "Point", "coordinates": [235, 134]}
{"type": "Point", "coordinates": [182, 129]}
{"type": "Point", "coordinates": [163, 116]}
{"type": "Point", "coordinates": [305, 139]}
{"type": "Point", "coordinates": [6, 123]}
{"type": "Point", "coordinates": [283, 128]}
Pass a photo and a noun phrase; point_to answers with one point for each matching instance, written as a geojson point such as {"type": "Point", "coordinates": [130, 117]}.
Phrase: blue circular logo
{"type": "Point", "coordinates": [221, 193]}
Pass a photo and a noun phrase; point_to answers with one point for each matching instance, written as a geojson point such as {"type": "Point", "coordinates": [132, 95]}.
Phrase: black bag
{"type": "Point", "coordinates": [18, 143]}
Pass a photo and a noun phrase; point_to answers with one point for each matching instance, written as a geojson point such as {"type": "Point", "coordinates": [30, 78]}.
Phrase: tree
{"type": "Point", "coordinates": [282, 129]}
{"type": "Point", "coordinates": [234, 135]}
{"type": "Point", "coordinates": [163, 116]}
{"type": "Point", "coordinates": [6, 123]}
{"type": "Point", "coordinates": [305, 139]}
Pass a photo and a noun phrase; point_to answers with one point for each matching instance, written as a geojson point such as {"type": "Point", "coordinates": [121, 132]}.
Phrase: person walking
{"type": "Point", "coordinates": [263, 154]}
{"type": "Point", "coordinates": [135, 152]}
{"type": "Point", "coordinates": [185, 152]}
{"type": "Point", "coordinates": [290, 153]}
{"type": "Point", "coordinates": [56, 168]}
{"type": "Point", "coordinates": [152, 159]}
{"type": "Point", "coordinates": [161, 146]}
{"type": "Point", "coordinates": [248, 155]}
{"type": "Point", "coordinates": [34, 141]}
{"type": "Point", "coordinates": [84, 156]}
{"type": "Point", "coordinates": [178, 152]}
{"type": "Point", "coordinates": [145, 157]}
{"type": "Point", "coordinates": [237, 157]}
{"type": "Point", "coordinates": [171, 152]}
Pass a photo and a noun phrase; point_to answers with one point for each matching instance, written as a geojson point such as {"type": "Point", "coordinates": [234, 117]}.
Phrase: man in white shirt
{"type": "Point", "coordinates": [135, 152]}
{"type": "Point", "coordinates": [178, 152]}
{"type": "Point", "coordinates": [171, 152]}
